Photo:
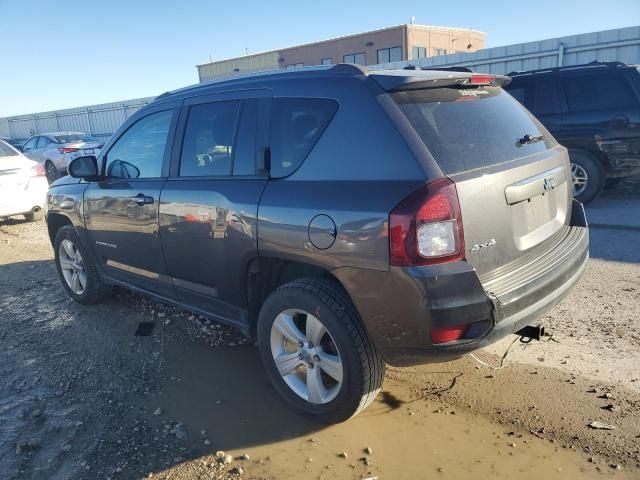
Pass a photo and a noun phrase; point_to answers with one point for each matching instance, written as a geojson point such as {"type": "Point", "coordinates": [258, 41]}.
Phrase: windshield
{"type": "Point", "coordinates": [74, 137]}
{"type": "Point", "coordinates": [466, 129]}
{"type": "Point", "coordinates": [6, 150]}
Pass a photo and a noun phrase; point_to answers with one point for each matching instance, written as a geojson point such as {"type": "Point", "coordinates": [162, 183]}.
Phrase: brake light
{"type": "Point", "coordinates": [480, 79]}
{"type": "Point", "coordinates": [426, 227]}
{"type": "Point", "coordinates": [448, 334]}
{"type": "Point", "coordinates": [37, 170]}
{"type": "Point", "coordinates": [67, 149]}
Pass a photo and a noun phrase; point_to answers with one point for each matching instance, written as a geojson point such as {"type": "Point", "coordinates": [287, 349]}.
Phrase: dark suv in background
{"type": "Point", "coordinates": [594, 111]}
{"type": "Point", "coordinates": [343, 218]}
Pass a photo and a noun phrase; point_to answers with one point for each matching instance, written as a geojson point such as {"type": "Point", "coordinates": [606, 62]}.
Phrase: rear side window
{"type": "Point", "coordinates": [540, 96]}
{"type": "Point", "coordinates": [466, 129]}
{"type": "Point", "coordinates": [43, 142]}
{"type": "Point", "coordinates": [208, 146]}
{"type": "Point", "coordinates": [296, 126]}
{"type": "Point", "coordinates": [595, 91]}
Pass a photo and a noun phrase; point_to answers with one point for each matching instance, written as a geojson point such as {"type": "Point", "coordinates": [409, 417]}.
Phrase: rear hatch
{"type": "Point", "coordinates": [511, 177]}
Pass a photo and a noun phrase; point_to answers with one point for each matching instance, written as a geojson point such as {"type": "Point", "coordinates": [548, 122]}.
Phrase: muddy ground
{"type": "Point", "coordinates": [83, 396]}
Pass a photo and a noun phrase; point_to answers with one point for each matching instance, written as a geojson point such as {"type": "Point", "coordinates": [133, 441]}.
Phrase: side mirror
{"type": "Point", "coordinates": [83, 167]}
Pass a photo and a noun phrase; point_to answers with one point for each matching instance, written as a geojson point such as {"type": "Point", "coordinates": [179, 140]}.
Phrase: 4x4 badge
{"type": "Point", "coordinates": [479, 246]}
{"type": "Point", "coordinates": [549, 183]}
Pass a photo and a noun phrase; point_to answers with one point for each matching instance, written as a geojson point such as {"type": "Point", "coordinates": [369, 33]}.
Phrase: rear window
{"type": "Point", "coordinates": [296, 126]}
{"type": "Point", "coordinates": [6, 150]}
{"type": "Point", "coordinates": [466, 129]}
{"type": "Point", "coordinates": [74, 137]}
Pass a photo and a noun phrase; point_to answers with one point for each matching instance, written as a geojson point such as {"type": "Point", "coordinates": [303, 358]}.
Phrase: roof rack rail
{"type": "Point", "coordinates": [595, 63]}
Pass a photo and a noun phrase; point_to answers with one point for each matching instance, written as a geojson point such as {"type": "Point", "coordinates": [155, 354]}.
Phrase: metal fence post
{"type": "Point", "coordinates": [560, 54]}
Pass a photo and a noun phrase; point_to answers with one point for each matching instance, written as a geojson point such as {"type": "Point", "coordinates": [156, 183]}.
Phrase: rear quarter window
{"type": "Point", "coordinates": [467, 129]}
{"type": "Point", "coordinates": [296, 126]}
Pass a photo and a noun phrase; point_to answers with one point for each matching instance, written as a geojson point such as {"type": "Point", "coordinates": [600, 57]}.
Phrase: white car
{"type": "Point", "coordinates": [23, 185]}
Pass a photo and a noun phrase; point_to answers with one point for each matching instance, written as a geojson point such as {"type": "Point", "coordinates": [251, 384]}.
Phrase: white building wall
{"type": "Point", "coordinates": [622, 45]}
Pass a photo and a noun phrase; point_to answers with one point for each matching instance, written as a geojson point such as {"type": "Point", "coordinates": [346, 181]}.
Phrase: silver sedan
{"type": "Point", "coordinates": [55, 150]}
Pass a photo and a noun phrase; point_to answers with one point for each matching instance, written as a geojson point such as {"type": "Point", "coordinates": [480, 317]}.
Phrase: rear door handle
{"type": "Point", "coordinates": [142, 199]}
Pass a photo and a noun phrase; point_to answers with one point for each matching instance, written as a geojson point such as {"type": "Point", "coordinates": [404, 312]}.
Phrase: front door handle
{"type": "Point", "coordinates": [142, 199]}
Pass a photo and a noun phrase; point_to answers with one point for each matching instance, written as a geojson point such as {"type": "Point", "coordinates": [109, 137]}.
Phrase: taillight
{"type": "Point", "coordinates": [37, 170]}
{"type": "Point", "coordinates": [480, 79]}
{"type": "Point", "coordinates": [67, 149]}
{"type": "Point", "coordinates": [426, 227]}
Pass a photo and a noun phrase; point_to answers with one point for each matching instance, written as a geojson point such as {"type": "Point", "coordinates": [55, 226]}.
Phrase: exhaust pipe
{"type": "Point", "coordinates": [532, 332]}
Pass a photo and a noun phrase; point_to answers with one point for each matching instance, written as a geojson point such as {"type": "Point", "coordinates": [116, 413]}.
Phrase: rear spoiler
{"type": "Point", "coordinates": [398, 80]}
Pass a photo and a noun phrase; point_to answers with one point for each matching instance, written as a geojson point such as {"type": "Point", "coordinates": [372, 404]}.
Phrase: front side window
{"type": "Point", "coordinates": [42, 142]}
{"type": "Point", "coordinates": [30, 144]}
{"type": "Point", "coordinates": [598, 91]}
{"type": "Point", "coordinates": [139, 152]}
{"type": "Point", "coordinates": [208, 146]}
{"type": "Point", "coordinates": [296, 126]}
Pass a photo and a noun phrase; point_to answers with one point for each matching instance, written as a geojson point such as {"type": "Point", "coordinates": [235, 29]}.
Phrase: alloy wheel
{"type": "Point", "coordinates": [306, 356]}
{"type": "Point", "coordinates": [72, 267]}
{"type": "Point", "coordinates": [51, 171]}
{"type": "Point", "coordinates": [579, 179]}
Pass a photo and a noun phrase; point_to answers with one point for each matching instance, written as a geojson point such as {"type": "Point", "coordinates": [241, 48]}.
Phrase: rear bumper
{"type": "Point", "coordinates": [402, 306]}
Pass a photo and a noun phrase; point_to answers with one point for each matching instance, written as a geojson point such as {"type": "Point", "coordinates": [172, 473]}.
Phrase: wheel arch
{"type": "Point", "coordinates": [55, 221]}
{"type": "Point", "coordinates": [265, 274]}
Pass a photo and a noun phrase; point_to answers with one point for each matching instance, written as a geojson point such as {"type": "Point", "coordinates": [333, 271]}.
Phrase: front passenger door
{"type": "Point", "coordinates": [121, 210]}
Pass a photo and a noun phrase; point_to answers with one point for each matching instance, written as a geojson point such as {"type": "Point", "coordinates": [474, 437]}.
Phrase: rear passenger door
{"type": "Point", "coordinates": [209, 205]}
{"type": "Point", "coordinates": [602, 103]}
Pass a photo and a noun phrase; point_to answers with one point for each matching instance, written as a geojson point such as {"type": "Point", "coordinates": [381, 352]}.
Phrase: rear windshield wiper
{"type": "Point", "coordinates": [530, 139]}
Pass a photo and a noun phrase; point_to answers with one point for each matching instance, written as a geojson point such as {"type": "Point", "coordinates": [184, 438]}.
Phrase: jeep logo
{"type": "Point", "coordinates": [549, 183]}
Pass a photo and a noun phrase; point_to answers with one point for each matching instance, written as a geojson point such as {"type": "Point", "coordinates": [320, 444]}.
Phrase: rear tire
{"type": "Point", "coordinates": [361, 367]}
{"type": "Point", "coordinates": [588, 176]}
{"type": "Point", "coordinates": [90, 289]}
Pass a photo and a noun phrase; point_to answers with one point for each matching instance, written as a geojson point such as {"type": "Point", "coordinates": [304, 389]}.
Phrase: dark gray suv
{"type": "Point", "coordinates": [344, 218]}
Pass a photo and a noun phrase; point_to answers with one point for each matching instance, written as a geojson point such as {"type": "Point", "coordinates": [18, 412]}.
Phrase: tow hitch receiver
{"type": "Point", "coordinates": [532, 332]}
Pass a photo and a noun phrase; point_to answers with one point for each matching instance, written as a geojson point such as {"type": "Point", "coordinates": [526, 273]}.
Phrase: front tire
{"type": "Point", "coordinates": [587, 175]}
{"type": "Point", "coordinates": [78, 273]}
{"type": "Point", "coordinates": [316, 351]}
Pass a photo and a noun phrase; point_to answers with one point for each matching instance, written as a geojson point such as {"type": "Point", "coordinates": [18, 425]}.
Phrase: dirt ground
{"type": "Point", "coordinates": [83, 396]}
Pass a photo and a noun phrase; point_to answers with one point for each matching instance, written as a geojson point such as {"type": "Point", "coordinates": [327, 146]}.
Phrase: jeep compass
{"type": "Point", "coordinates": [345, 219]}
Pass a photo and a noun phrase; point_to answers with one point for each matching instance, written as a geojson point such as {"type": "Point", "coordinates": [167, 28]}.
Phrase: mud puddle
{"type": "Point", "coordinates": [223, 399]}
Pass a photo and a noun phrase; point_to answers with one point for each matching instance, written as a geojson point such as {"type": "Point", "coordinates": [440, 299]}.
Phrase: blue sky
{"type": "Point", "coordinates": [79, 52]}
